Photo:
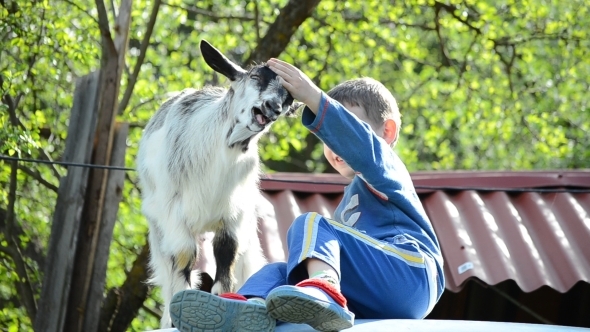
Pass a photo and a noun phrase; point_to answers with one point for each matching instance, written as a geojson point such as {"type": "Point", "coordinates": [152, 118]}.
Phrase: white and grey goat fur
{"type": "Point", "coordinates": [198, 168]}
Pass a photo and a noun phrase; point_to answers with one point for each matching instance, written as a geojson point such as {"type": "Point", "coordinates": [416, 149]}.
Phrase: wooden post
{"type": "Point", "coordinates": [66, 218]}
{"type": "Point", "coordinates": [90, 229]}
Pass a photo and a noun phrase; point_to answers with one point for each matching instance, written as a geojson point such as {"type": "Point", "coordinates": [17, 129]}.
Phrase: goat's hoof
{"type": "Point", "coordinates": [218, 289]}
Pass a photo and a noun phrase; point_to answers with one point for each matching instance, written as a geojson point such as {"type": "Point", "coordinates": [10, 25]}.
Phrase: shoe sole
{"type": "Point", "coordinates": [291, 306]}
{"type": "Point", "coordinates": [197, 311]}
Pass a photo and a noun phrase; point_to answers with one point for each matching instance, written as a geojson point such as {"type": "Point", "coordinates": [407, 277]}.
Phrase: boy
{"type": "Point", "coordinates": [378, 259]}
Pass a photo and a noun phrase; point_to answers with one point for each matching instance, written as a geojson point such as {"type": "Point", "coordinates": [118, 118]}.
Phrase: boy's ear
{"type": "Point", "coordinates": [389, 131]}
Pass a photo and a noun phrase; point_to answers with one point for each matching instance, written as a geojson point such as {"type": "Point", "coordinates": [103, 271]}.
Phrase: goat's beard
{"type": "Point", "coordinates": [241, 133]}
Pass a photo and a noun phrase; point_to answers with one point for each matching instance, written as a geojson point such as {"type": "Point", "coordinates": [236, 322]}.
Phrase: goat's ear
{"type": "Point", "coordinates": [295, 109]}
{"type": "Point", "coordinates": [216, 60]}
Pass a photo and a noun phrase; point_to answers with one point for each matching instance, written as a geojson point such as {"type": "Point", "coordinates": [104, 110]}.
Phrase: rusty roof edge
{"type": "Point", "coordinates": [427, 181]}
{"type": "Point", "coordinates": [304, 182]}
{"type": "Point", "coordinates": [505, 179]}
{"type": "Point", "coordinates": [523, 286]}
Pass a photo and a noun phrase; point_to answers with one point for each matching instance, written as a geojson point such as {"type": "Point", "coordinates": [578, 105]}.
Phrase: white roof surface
{"type": "Point", "coordinates": [431, 325]}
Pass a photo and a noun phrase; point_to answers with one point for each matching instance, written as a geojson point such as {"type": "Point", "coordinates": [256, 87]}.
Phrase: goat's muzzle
{"type": "Point", "coordinates": [272, 109]}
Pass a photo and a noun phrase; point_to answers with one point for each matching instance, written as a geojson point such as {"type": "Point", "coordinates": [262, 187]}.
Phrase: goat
{"type": "Point", "coordinates": [198, 169]}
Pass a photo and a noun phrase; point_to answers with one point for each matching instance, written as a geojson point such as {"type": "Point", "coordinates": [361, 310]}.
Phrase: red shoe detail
{"type": "Point", "coordinates": [326, 287]}
{"type": "Point", "coordinates": [233, 296]}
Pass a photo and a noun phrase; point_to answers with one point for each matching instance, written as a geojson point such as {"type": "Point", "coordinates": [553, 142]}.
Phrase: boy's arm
{"type": "Point", "coordinates": [361, 148]}
{"type": "Point", "coordinates": [357, 144]}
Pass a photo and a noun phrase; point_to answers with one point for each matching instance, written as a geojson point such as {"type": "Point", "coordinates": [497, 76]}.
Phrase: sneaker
{"type": "Point", "coordinates": [313, 302]}
{"type": "Point", "coordinates": [199, 311]}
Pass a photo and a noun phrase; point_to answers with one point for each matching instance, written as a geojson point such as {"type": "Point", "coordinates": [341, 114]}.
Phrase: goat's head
{"type": "Point", "coordinates": [257, 96]}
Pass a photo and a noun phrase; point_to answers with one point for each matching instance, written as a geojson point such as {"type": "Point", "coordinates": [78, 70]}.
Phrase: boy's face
{"type": "Point", "coordinates": [340, 165]}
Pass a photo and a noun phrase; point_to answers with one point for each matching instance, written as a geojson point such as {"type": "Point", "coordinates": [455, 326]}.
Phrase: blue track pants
{"type": "Point", "coordinates": [380, 280]}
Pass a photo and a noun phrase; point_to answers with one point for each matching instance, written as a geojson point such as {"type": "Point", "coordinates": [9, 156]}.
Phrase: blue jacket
{"type": "Point", "coordinates": [381, 200]}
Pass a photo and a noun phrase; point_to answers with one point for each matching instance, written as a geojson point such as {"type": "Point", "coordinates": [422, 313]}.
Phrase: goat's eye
{"type": "Point", "coordinates": [255, 77]}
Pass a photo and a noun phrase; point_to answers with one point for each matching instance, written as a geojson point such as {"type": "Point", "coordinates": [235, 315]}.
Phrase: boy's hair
{"type": "Point", "coordinates": [373, 96]}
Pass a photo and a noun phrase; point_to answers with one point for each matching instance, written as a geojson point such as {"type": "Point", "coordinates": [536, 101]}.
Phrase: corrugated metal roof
{"type": "Point", "coordinates": [531, 227]}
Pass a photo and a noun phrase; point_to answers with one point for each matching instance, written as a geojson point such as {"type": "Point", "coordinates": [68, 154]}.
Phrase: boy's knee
{"type": "Point", "coordinates": [298, 225]}
{"type": "Point", "coordinates": [302, 219]}
{"type": "Point", "coordinates": [301, 224]}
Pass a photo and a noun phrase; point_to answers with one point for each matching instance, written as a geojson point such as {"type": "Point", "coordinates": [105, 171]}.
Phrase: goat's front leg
{"type": "Point", "coordinates": [225, 249]}
{"type": "Point", "coordinates": [172, 258]}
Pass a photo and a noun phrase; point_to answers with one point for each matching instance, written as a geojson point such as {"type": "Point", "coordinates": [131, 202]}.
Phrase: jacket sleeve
{"type": "Point", "coordinates": [356, 143]}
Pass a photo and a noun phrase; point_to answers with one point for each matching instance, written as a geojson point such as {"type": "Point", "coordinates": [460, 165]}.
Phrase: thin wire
{"type": "Point", "coordinates": [65, 163]}
{"type": "Point", "coordinates": [443, 188]}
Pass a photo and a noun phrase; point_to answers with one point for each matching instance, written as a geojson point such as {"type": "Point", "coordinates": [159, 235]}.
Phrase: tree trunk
{"type": "Point", "coordinates": [122, 303]}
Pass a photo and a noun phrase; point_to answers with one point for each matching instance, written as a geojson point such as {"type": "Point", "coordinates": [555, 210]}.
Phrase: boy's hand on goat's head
{"type": "Point", "coordinates": [297, 83]}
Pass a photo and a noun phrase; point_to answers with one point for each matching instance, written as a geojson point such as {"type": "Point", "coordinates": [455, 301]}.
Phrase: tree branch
{"type": "Point", "coordinates": [31, 60]}
{"type": "Point", "coordinates": [33, 57]}
{"type": "Point", "coordinates": [210, 14]}
{"type": "Point", "coordinates": [464, 64]}
{"type": "Point", "coordinates": [507, 63]}
{"type": "Point", "coordinates": [134, 183]}
{"type": "Point", "coordinates": [12, 105]}
{"type": "Point", "coordinates": [296, 162]}
{"type": "Point", "coordinates": [446, 61]}
{"type": "Point", "coordinates": [113, 9]}
{"type": "Point", "coordinates": [108, 45]}
{"type": "Point", "coordinates": [526, 125]}
{"type": "Point", "coordinates": [142, 52]}
{"type": "Point", "coordinates": [103, 18]}
{"type": "Point", "coordinates": [13, 250]}
{"type": "Point", "coordinates": [82, 10]}
{"type": "Point", "coordinates": [10, 301]}
{"type": "Point", "coordinates": [316, 78]}
{"type": "Point", "coordinates": [154, 312]}
{"type": "Point", "coordinates": [10, 214]}
{"type": "Point", "coordinates": [150, 100]}
{"type": "Point", "coordinates": [24, 283]}
{"type": "Point", "coordinates": [43, 155]}
{"type": "Point", "coordinates": [513, 41]}
{"type": "Point", "coordinates": [257, 21]}
{"type": "Point", "coordinates": [451, 10]}
{"type": "Point", "coordinates": [417, 88]}
{"type": "Point", "coordinates": [409, 25]}
{"type": "Point", "coordinates": [425, 27]}
{"type": "Point", "coordinates": [279, 33]}
{"type": "Point", "coordinates": [33, 250]}
{"type": "Point", "coordinates": [37, 176]}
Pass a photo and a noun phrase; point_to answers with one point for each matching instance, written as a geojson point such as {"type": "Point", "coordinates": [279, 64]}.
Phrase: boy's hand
{"type": "Point", "coordinates": [297, 83]}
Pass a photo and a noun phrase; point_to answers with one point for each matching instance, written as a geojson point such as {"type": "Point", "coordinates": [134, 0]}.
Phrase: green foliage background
{"type": "Point", "coordinates": [482, 85]}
